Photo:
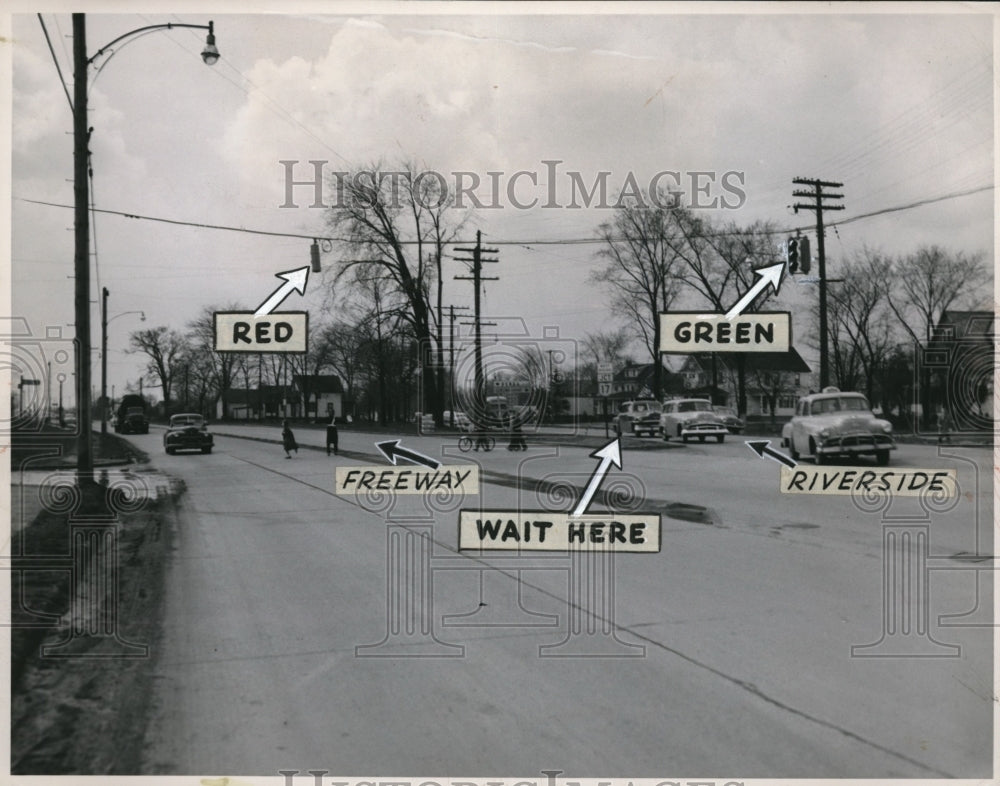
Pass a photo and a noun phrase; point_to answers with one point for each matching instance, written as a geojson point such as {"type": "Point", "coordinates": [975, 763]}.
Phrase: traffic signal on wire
{"type": "Point", "coordinates": [804, 255]}
{"type": "Point", "coordinates": [792, 254]}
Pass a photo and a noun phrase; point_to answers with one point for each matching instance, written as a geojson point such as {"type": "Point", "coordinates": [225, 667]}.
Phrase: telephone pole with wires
{"type": "Point", "coordinates": [477, 260]}
{"type": "Point", "coordinates": [451, 364]}
{"type": "Point", "coordinates": [818, 195]}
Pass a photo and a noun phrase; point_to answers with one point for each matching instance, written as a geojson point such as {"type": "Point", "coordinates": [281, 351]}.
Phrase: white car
{"type": "Point", "coordinates": [833, 423]}
{"type": "Point", "coordinates": [691, 417]}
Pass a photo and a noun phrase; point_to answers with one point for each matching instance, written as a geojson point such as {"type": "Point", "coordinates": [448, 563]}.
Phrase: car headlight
{"type": "Point", "coordinates": [886, 426]}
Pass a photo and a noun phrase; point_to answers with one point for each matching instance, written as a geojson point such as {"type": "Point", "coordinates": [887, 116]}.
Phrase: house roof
{"type": "Point", "coordinates": [965, 325]}
{"type": "Point", "coordinates": [319, 383]}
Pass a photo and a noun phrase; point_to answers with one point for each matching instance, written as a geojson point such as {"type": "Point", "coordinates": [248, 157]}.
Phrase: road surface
{"type": "Point", "coordinates": [730, 653]}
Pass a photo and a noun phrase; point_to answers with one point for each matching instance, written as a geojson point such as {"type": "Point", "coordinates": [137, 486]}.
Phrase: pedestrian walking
{"type": "Point", "coordinates": [516, 435]}
{"type": "Point", "coordinates": [288, 440]}
{"type": "Point", "coordinates": [945, 426]}
{"type": "Point", "coordinates": [331, 434]}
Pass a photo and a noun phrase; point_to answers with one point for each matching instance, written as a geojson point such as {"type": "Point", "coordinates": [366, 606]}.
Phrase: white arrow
{"type": "Point", "coordinates": [295, 281]}
{"type": "Point", "coordinates": [768, 275]}
{"type": "Point", "coordinates": [609, 454]}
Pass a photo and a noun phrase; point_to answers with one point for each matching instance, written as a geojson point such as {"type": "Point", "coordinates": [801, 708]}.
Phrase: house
{"type": "Point", "coordinates": [323, 395]}
{"type": "Point", "coordinates": [959, 362]}
{"type": "Point", "coordinates": [275, 401]}
{"type": "Point", "coordinates": [241, 404]}
{"type": "Point", "coordinates": [635, 380]}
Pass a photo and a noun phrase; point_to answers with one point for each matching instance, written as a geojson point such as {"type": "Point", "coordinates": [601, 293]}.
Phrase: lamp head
{"type": "Point", "coordinates": [210, 54]}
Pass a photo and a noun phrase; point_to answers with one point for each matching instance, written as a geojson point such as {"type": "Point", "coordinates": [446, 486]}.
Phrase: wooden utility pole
{"type": "Point", "coordinates": [818, 195]}
{"type": "Point", "coordinates": [451, 364]}
{"type": "Point", "coordinates": [81, 264]}
{"type": "Point", "coordinates": [477, 278]}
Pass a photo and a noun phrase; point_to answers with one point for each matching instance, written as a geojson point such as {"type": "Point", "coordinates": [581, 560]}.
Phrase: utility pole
{"type": "Point", "coordinates": [477, 278]}
{"type": "Point", "coordinates": [81, 257]}
{"type": "Point", "coordinates": [451, 365]}
{"type": "Point", "coordinates": [818, 195]}
{"type": "Point", "coordinates": [104, 360]}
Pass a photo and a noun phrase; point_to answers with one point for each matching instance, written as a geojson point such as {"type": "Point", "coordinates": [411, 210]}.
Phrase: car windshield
{"type": "Point", "coordinates": [186, 420]}
{"type": "Point", "coordinates": [646, 406]}
{"type": "Point", "coordinates": [694, 406]}
{"type": "Point", "coordinates": [838, 404]}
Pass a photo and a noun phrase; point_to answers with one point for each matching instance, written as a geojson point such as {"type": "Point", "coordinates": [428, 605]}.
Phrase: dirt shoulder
{"type": "Point", "coordinates": [81, 680]}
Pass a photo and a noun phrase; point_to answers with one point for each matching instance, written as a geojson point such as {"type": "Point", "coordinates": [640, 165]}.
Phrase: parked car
{"type": "Point", "coordinates": [638, 417]}
{"type": "Point", "coordinates": [691, 417]}
{"type": "Point", "coordinates": [131, 417]}
{"type": "Point", "coordinates": [187, 431]}
{"type": "Point", "coordinates": [462, 421]}
{"type": "Point", "coordinates": [733, 421]}
{"type": "Point", "coordinates": [833, 423]}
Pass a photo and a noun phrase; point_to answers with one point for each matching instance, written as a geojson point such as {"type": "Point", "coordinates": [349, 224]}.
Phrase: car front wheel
{"type": "Point", "coordinates": [882, 458]}
{"type": "Point", "coordinates": [720, 437]}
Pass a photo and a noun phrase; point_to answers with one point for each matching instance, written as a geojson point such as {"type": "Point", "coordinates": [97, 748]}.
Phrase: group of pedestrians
{"type": "Point", "coordinates": [516, 441]}
{"type": "Point", "coordinates": [289, 444]}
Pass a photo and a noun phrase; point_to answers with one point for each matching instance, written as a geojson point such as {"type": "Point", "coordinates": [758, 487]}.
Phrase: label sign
{"type": "Point", "coordinates": [687, 332]}
{"type": "Point", "coordinates": [461, 479]}
{"type": "Point", "coordinates": [863, 480]}
{"type": "Point", "coordinates": [605, 376]}
{"type": "Point", "coordinates": [545, 530]}
{"type": "Point", "coordinates": [282, 331]}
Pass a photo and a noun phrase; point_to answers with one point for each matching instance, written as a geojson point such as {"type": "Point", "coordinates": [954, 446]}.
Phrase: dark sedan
{"type": "Point", "coordinates": [187, 431]}
{"type": "Point", "coordinates": [731, 419]}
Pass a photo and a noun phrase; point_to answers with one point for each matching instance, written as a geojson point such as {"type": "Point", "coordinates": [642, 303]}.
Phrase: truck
{"type": "Point", "coordinates": [131, 417]}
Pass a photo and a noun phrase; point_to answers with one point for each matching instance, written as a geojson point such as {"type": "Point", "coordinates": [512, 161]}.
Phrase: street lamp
{"type": "Point", "coordinates": [104, 354]}
{"type": "Point", "coordinates": [81, 197]}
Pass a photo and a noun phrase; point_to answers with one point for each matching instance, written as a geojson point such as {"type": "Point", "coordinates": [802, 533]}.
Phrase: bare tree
{"type": "Point", "coordinates": [861, 318]}
{"type": "Point", "coordinates": [220, 367]}
{"type": "Point", "coordinates": [931, 281]}
{"type": "Point", "coordinates": [607, 346]}
{"type": "Point", "coordinates": [398, 225]}
{"type": "Point", "coordinates": [641, 271]}
{"type": "Point", "coordinates": [928, 283]}
{"type": "Point", "coordinates": [164, 348]}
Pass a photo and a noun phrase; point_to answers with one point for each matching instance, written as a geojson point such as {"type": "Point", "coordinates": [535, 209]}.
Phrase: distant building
{"type": "Point", "coordinates": [323, 394]}
{"type": "Point", "coordinates": [959, 362]}
{"type": "Point", "coordinates": [774, 380]}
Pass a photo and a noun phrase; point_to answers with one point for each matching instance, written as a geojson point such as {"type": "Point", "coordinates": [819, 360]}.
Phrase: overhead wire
{"type": "Point", "coordinates": [512, 242]}
{"type": "Point", "coordinates": [55, 60]}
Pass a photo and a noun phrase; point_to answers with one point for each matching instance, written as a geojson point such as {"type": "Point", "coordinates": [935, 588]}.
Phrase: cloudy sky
{"type": "Point", "coordinates": [898, 106]}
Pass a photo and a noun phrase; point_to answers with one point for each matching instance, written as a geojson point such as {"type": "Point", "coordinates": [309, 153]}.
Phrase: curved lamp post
{"type": "Point", "coordinates": [81, 267]}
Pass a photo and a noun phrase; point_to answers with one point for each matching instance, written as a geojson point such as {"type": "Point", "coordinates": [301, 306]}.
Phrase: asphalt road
{"type": "Point", "coordinates": [730, 652]}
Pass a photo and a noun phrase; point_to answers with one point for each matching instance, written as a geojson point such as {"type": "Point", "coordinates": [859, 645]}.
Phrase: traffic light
{"type": "Point", "coordinates": [792, 254]}
{"type": "Point", "coordinates": [314, 257]}
{"type": "Point", "coordinates": [804, 256]}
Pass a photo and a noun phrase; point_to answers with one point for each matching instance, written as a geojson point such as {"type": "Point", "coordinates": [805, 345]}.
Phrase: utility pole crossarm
{"type": "Point", "coordinates": [818, 206]}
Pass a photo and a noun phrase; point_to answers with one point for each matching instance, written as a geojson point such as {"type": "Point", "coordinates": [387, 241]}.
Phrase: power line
{"type": "Point", "coordinates": [579, 241]}
{"type": "Point", "coordinates": [52, 51]}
